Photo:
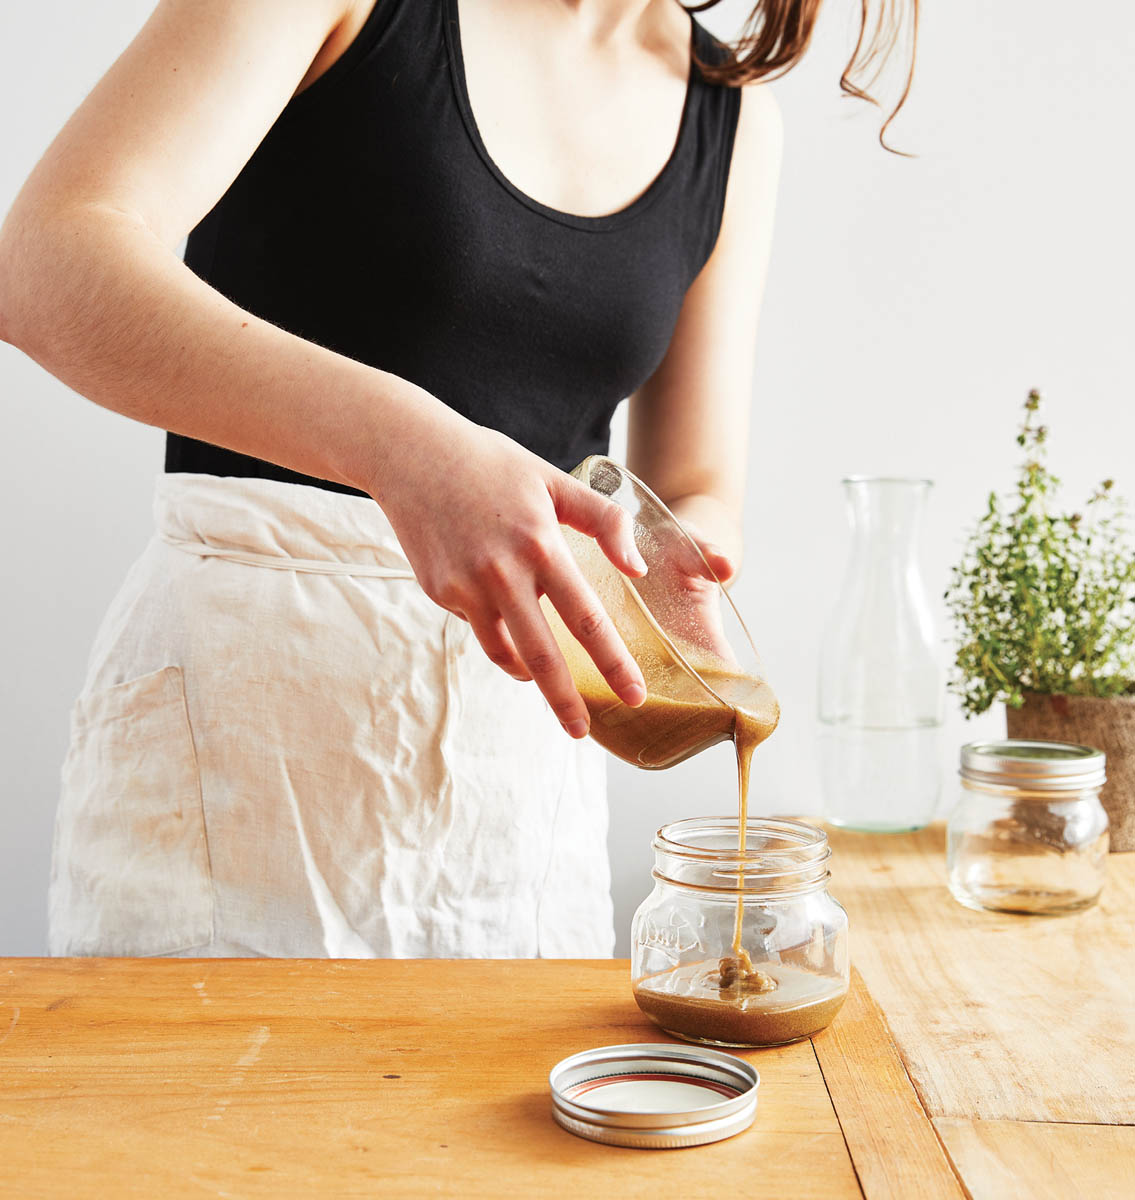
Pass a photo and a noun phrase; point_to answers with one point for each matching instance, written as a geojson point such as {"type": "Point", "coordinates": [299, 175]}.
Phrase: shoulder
{"type": "Point", "coordinates": [758, 145]}
{"type": "Point", "coordinates": [754, 171]}
{"type": "Point", "coordinates": [760, 128]}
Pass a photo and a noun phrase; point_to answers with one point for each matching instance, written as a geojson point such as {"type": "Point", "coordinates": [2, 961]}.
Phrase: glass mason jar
{"type": "Point", "coordinates": [790, 975]}
{"type": "Point", "coordinates": [1028, 834]}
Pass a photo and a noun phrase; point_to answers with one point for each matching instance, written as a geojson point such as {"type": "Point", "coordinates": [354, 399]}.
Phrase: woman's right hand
{"type": "Point", "coordinates": [480, 527]}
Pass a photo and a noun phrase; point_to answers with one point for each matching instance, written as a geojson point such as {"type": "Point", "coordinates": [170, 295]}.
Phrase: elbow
{"type": "Point", "coordinates": [14, 300]}
{"type": "Point", "coordinates": [50, 260]}
{"type": "Point", "coordinates": [37, 281]}
{"type": "Point", "coordinates": [7, 326]}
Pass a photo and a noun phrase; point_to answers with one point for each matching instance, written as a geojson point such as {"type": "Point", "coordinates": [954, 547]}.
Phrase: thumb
{"type": "Point", "coordinates": [604, 520]}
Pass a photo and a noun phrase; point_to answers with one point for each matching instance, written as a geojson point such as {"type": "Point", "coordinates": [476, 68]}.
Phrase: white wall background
{"type": "Point", "coordinates": [910, 305]}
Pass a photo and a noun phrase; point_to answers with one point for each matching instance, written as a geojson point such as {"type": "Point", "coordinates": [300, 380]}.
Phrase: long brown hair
{"type": "Point", "coordinates": [777, 33]}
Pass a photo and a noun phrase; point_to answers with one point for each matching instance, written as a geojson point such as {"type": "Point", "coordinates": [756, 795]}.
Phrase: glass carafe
{"type": "Point", "coordinates": [696, 656]}
{"type": "Point", "coordinates": [880, 680]}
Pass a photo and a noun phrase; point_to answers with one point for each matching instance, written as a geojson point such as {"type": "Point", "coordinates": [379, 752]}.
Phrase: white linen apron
{"type": "Point", "coordinates": [284, 748]}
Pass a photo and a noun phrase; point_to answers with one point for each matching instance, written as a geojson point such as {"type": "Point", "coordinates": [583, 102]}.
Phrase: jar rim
{"type": "Point", "coordinates": [803, 847]}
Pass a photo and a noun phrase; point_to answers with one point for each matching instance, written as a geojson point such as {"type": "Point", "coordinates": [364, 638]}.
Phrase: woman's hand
{"type": "Point", "coordinates": [719, 562]}
{"type": "Point", "coordinates": [480, 527]}
{"type": "Point", "coordinates": [701, 587]}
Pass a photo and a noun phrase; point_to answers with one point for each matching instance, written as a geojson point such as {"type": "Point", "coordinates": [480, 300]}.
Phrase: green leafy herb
{"type": "Point", "coordinates": [1043, 601]}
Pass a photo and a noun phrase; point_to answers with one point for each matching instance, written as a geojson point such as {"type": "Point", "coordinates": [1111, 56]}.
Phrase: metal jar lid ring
{"type": "Point", "coordinates": [654, 1096]}
{"type": "Point", "coordinates": [1033, 766]}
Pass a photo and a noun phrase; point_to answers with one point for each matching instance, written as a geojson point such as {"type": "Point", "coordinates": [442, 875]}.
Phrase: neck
{"type": "Point", "coordinates": [602, 18]}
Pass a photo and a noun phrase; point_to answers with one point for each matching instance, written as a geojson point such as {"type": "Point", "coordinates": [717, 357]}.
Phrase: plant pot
{"type": "Point", "coordinates": [1108, 725]}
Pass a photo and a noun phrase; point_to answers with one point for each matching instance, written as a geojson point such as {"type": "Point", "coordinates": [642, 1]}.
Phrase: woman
{"type": "Point", "coordinates": [433, 244]}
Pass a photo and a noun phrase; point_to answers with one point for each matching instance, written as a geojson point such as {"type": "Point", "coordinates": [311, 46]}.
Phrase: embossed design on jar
{"type": "Point", "coordinates": [675, 938]}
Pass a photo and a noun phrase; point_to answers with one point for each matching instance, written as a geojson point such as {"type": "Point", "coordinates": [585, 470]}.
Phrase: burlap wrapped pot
{"type": "Point", "coordinates": [1109, 725]}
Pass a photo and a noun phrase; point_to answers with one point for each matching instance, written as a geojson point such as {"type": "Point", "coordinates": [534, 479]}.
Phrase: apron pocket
{"type": "Point", "coordinates": [130, 870]}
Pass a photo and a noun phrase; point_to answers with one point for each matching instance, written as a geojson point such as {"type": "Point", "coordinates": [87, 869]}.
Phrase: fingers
{"type": "Point", "coordinates": [542, 658]}
{"type": "Point", "coordinates": [604, 520]}
{"type": "Point", "coordinates": [588, 622]}
{"type": "Point", "coordinates": [497, 643]}
{"type": "Point", "coordinates": [719, 562]}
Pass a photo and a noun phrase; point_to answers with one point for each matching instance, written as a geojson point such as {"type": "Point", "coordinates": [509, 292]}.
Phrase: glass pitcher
{"type": "Point", "coordinates": [680, 625]}
{"type": "Point", "coordinates": [880, 685]}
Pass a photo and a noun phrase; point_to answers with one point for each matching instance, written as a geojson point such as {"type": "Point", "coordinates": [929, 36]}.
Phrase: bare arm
{"type": "Point", "coordinates": [91, 288]}
{"type": "Point", "coordinates": [689, 423]}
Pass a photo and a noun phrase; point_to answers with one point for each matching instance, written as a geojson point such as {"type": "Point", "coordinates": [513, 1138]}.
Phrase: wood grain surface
{"type": "Point", "coordinates": [895, 1149]}
{"type": "Point", "coordinates": [997, 1017]}
{"type": "Point", "coordinates": [1023, 1160]}
{"type": "Point", "coordinates": [175, 1077]}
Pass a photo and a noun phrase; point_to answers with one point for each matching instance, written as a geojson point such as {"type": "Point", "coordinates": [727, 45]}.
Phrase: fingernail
{"type": "Point", "coordinates": [633, 694]}
{"type": "Point", "coordinates": [637, 561]}
{"type": "Point", "coordinates": [577, 729]}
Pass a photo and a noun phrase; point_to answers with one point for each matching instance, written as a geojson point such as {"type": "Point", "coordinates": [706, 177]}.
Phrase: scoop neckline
{"type": "Point", "coordinates": [603, 221]}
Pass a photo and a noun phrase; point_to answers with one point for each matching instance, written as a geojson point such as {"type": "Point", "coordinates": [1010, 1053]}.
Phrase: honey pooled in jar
{"type": "Point", "coordinates": [739, 977]}
{"type": "Point", "coordinates": [689, 1002]}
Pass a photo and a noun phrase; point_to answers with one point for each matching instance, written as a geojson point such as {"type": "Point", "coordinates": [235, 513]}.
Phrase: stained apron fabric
{"type": "Point", "coordinates": [284, 748]}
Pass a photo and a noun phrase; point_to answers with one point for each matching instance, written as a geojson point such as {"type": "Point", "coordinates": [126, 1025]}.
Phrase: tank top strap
{"type": "Point", "coordinates": [709, 152]}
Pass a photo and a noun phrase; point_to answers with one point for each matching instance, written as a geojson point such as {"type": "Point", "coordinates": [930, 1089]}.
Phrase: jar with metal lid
{"type": "Point", "coordinates": [1028, 833]}
{"type": "Point", "coordinates": [740, 948]}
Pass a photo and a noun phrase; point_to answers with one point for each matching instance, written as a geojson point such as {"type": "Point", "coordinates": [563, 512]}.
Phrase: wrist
{"type": "Point", "coordinates": [394, 423]}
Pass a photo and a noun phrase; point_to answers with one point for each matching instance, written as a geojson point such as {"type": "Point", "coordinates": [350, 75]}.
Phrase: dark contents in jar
{"type": "Point", "coordinates": [694, 1002]}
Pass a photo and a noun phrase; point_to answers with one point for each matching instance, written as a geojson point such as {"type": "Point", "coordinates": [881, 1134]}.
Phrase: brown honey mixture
{"type": "Point", "coordinates": [686, 1002]}
{"type": "Point", "coordinates": [731, 1001]}
{"type": "Point", "coordinates": [667, 727]}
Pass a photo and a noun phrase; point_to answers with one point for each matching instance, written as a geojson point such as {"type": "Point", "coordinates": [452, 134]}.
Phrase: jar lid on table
{"type": "Point", "coordinates": [1034, 766]}
{"type": "Point", "coordinates": [654, 1096]}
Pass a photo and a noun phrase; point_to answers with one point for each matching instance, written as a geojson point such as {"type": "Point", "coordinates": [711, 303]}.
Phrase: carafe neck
{"type": "Point", "coordinates": [885, 515]}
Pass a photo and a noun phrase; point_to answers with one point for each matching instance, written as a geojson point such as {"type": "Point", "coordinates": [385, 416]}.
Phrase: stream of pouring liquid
{"type": "Point", "coordinates": [749, 730]}
{"type": "Point", "coordinates": [678, 721]}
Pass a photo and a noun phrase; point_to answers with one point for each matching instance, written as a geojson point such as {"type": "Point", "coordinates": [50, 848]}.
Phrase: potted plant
{"type": "Point", "coordinates": [1043, 605]}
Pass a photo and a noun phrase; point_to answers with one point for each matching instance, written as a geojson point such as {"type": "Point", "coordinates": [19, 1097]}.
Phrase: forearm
{"type": "Point", "coordinates": [97, 299]}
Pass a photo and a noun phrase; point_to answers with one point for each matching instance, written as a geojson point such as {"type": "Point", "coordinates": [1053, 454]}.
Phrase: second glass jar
{"type": "Point", "coordinates": [1028, 834]}
{"type": "Point", "coordinates": [687, 975]}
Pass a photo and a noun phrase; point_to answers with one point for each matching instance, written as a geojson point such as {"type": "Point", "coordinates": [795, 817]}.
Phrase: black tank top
{"type": "Point", "coordinates": [372, 221]}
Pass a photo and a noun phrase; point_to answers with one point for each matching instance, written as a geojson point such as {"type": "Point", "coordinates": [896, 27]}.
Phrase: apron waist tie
{"type": "Point", "coordinates": [276, 562]}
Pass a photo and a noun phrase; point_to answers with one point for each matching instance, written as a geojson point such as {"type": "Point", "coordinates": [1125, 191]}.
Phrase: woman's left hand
{"type": "Point", "coordinates": [701, 586]}
{"type": "Point", "coordinates": [719, 562]}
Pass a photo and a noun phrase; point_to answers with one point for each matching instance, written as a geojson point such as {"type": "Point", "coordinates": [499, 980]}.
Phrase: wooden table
{"type": "Point", "coordinates": [1007, 1069]}
{"type": "Point", "coordinates": [1018, 1033]}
